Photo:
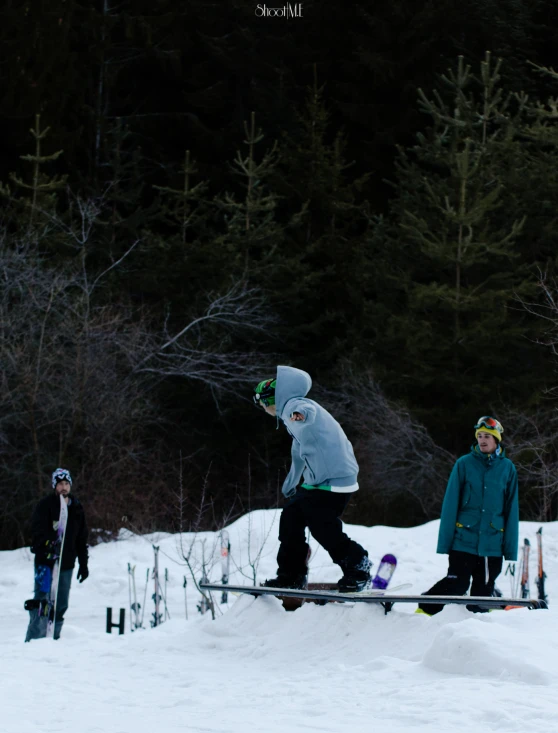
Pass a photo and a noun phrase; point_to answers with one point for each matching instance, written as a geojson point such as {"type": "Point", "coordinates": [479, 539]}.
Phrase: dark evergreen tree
{"type": "Point", "coordinates": [316, 279]}
{"type": "Point", "coordinates": [251, 232]}
{"type": "Point", "coordinates": [458, 265]}
{"type": "Point", "coordinates": [178, 245]}
{"type": "Point", "coordinates": [31, 198]}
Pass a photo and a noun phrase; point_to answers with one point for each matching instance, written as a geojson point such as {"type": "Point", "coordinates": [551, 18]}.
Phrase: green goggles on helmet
{"type": "Point", "coordinates": [264, 393]}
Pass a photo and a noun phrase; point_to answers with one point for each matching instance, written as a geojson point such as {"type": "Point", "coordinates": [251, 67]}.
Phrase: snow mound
{"type": "Point", "coordinates": [472, 648]}
{"type": "Point", "coordinates": [338, 668]}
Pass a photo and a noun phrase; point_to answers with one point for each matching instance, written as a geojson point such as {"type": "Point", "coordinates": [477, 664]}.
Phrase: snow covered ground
{"type": "Point", "coordinates": [337, 668]}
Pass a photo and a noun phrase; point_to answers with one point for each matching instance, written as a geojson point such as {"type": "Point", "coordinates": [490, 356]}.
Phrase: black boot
{"type": "Point", "coordinates": [356, 578]}
{"type": "Point", "coordinates": [298, 582]}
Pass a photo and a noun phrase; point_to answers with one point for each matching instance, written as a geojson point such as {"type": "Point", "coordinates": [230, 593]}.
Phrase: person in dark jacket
{"type": "Point", "coordinates": [479, 525]}
{"type": "Point", "coordinates": [44, 523]}
{"type": "Point", "coordinates": [323, 456]}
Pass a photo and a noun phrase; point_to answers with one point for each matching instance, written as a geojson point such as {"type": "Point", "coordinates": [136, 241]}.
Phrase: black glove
{"type": "Point", "coordinates": [83, 573]}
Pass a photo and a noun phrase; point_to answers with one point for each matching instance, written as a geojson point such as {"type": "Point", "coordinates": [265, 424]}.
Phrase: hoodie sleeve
{"type": "Point", "coordinates": [297, 467]}
{"type": "Point", "coordinates": [511, 526]}
{"type": "Point", "coordinates": [306, 409]}
{"type": "Point", "coordinates": [450, 509]}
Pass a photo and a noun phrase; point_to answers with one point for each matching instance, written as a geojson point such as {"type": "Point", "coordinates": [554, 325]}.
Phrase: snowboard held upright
{"type": "Point", "coordinates": [46, 607]}
{"type": "Point", "coordinates": [53, 595]}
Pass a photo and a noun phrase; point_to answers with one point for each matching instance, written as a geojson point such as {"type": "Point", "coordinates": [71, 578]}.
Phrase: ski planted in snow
{"type": "Point", "coordinates": [525, 592]}
{"type": "Point", "coordinates": [156, 616]}
{"type": "Point", "coordinates": [541, 575]}
{"type": "Point", "coordinates": [136, 608]}
{"type": "Point", "coordinates": [225, 562]}
{"type": "Point", "coordinates": [158, 595]}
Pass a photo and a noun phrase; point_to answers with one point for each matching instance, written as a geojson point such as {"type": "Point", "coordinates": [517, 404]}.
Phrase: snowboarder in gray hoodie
{"type": "Point", "coordinates": [323, 457]}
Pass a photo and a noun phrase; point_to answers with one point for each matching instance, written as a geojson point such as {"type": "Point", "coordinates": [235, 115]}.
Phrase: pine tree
{"type": "Point", "coordinates": [35, 196]}
{"type": "Point", "coordinates": [455, 248]}
{"type": "Point", "coordinates": [181, 206]}
{"type": "Point", "coordinates": [178, 248]}
{"type": "Point", "coordinates": [541, 183]}
{"type": "Point", "coordinates": [251, 232]}
{"type": "Point", "coordinates": [318, 276]}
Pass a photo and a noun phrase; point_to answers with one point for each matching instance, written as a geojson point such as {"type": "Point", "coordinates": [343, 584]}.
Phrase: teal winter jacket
{"type": "Point", "coordinates": [480, 513]}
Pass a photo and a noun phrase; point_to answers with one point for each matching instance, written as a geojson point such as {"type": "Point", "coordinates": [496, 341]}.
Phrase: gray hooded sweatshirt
{"type": "Point", "coordinates": [320, 450]}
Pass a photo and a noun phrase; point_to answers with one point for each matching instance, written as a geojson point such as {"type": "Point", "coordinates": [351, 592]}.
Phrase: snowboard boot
{"type": "Point", "coordinates": [425, 613]}
{"type": "Point", "coordinates": [356, 578]}
{"type": "Point", "coordinates": [295, 582]}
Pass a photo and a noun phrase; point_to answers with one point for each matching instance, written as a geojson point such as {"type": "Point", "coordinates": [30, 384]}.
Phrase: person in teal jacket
{"type": "Point", "coordinates": [322, 478]}
{"type": "Point", "coordinates": [479, 525]}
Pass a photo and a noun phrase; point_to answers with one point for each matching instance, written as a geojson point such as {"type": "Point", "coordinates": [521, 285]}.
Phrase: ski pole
{"type": "Point", "coordinates": [130, 595]}
{"type": "Point", "coordinates": [167, 614]}
{"type": "Point", "coordinates": [225, 563]}
{"type": "Point", "coordinates": [511, 570]}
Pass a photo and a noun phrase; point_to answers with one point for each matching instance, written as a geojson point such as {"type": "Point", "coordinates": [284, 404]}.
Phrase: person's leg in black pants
{"type": "Point", "coordinates": [323, 510]}
{"type": "Point", "coordinates": [293, 550]}
{"type": "Point", "coordinates": [320, 511]}
{"type": "Point", "coordinates": [485, 572]}
{"type": "Point", "coordinates": [456, 582]}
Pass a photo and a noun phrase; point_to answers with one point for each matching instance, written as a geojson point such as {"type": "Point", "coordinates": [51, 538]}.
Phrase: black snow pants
{"type": "Point", "coordinates": [463, 566]}
{"type": "Point", "coordinates": [320, 511]}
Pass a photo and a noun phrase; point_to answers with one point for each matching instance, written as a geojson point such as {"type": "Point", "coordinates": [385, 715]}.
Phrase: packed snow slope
{"type": "Point", "coordinates": [339, 668]}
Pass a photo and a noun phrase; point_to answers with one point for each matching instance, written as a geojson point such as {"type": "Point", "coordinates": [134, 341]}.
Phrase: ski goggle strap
{"type": "Point", "coordinates": [490, 423]}
{"type": "Point", "coordinates": [264, 393]}
{"type": "Point", "coordinates": [61, 474]}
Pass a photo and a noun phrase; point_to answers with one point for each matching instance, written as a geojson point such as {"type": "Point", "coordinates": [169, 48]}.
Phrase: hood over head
{"type": "Point", "coordinates": [291, 382]}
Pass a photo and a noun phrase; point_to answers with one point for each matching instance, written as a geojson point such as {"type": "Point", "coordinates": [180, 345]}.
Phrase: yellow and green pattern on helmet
{"type": "Point", "coordinates": [264, 393]}
{"type": "Point", "coordinates": [487, 424]}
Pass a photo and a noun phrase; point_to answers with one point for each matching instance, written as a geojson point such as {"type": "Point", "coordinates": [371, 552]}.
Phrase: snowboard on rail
{"type": "Point", "coordinates": [375, 596]}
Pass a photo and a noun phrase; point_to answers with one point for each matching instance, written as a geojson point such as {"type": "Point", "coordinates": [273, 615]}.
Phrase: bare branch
{"type": "Point", "coordinates": [395, 452]}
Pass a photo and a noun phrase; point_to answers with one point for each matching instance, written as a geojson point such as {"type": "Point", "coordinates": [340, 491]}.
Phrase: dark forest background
{"type": "Point", "coordinates": [191, 194]}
